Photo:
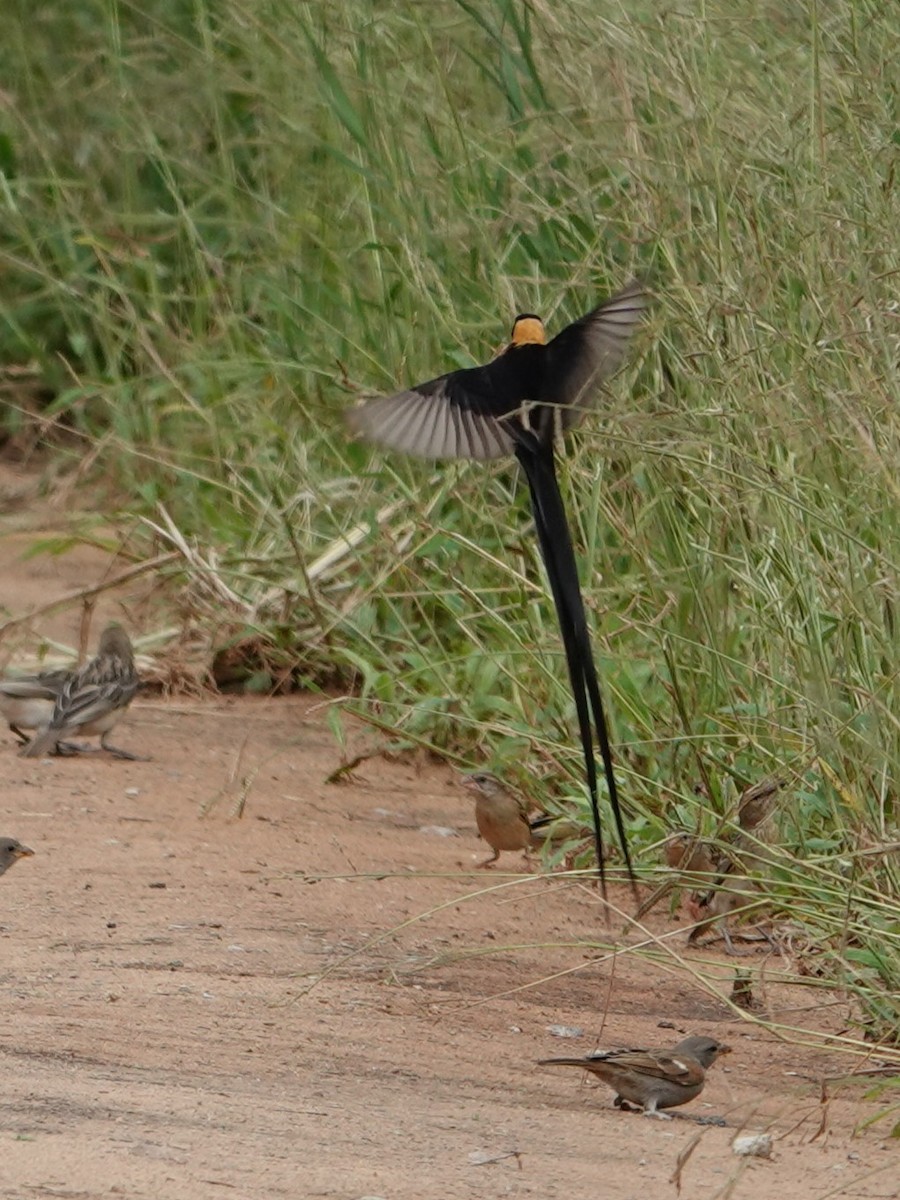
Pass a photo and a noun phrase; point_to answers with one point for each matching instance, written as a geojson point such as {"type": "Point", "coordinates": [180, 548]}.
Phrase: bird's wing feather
{"type": "Point", "coordinates": [591, 349]}
{"type": "Point", "coordinates": [88, 701]}
{"type": "Point", "coordinates": [454, 416]}
{"type": "Point", "coordinates": [660, 1065]}
{"type": "Point", "coordinates": [31, 688]}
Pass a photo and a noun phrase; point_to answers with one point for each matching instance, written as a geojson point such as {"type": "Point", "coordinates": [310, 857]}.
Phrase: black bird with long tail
{"type": "Point", "coordinates": [518, 403]}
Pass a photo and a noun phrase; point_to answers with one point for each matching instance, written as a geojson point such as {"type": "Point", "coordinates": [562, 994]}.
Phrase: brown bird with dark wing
{"type": "Point", "coordinates": [92, 699]}
{"type": "Point", "coordinates": [502, 817]}
{"type": "Point", "coordinates": [519, 404]}
{"type": "Point", "coordinates": [651, 1079]}
{"type": "Point", "coordinates": [504, 822]}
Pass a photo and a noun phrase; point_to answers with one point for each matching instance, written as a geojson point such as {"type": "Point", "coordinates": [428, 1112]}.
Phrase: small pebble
{"type": "Point", "coordinates": [565, 1031]}
{"type": "Point", "coordinates": [755, 1145]}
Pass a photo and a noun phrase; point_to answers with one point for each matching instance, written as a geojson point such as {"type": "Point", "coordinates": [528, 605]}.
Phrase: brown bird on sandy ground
{"type": "Point", "coordinates": [92, 699]}
{"type": "Point", "coordinates": [502, 817]}
{"type": "Point", "coordinates": [652, 1079]}
{"type": "Point", "coordinates": [10, 852]}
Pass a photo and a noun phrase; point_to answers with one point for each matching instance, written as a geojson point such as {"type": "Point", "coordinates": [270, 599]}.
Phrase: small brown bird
{"type": "Point", "coordinates": [10, 852]}
{"type": "Point", "coordinates": [92, 699]}
{"type": "Point", "coordinates": [653, 1079]}
{"type": "Point", "coordinates": [504, 822]}
{"type": "Point", "coordinates": [720, 872]}
{"type": "Point", "coordinates": [27, 702]}
{"type": "Point", "coordinates": [501, 817]}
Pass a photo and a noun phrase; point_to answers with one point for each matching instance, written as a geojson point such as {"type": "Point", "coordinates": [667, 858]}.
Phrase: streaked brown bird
{"type": "Point", "coordinates": [719, 872]}
{"type": "Point", "coordinates": [10, 852]}
{"type": "Point", "coordinates": [92, 699]}
{"type": "Point", "coordinates": [652, 1079]}
{"type": "Point", "coordinates": [519, 403]}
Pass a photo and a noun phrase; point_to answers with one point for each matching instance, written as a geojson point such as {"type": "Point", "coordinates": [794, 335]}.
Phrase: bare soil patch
{"type": "Point", "coordinates": [201, 1004]}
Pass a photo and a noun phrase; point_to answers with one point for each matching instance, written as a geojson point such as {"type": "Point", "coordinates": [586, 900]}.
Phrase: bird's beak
{"type": "Point", "coordinates": [23, 852]}
{"type": "Point", "coordinates": [468, 782]}
{"type": "Point", "coordinates": [723, 1050]}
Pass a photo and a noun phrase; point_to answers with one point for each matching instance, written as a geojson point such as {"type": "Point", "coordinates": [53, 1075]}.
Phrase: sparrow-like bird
{"type": "Point", "coordinates": [501, 816]}
{"type": "Point", "coordinates": [10, 852]}
{"type": "Point", "coordinates": [720, 871]}
{"type": "Point", "coordinates": [92, 699]}
{"type": "Point", "coordinates": [27, 702]}
{"type": "Point", "coordinates": [719, 885]}
{"type": "Point", "coordinates": [653, 1079]}
{"type": "Point", "coordinates": [519, 404]}
{"type": "Point", "coordinates": [504, 821]}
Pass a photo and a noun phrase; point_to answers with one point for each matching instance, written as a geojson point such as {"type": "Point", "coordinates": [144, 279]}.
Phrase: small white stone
{"type": "Point", "coordinates": [132, 792]}
{"type": "Point", "coordinates": [756, 1145]}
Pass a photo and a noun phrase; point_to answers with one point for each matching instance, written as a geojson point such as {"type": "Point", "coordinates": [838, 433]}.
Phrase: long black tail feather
{"type": "Point", "coordinates": [556, 548]}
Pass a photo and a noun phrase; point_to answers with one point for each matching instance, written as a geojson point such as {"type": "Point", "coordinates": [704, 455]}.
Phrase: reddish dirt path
{"type": "Point", "coordinates": [188, 1015]}
{"type": "Point", "coordinates": [161, 1037]}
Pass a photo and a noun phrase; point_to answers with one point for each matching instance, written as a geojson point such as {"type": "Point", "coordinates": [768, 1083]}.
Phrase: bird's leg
{"type": "Point", "coordinates": [116, 752]}
{"type": "Point", "coordinates": [650, 1110]}
{"type": "Point", "coordinates": [489, 862]}
{"type": "Point", "coordinates": [730, 947]}
{"type": "Point", "coordinates": [70, 749]}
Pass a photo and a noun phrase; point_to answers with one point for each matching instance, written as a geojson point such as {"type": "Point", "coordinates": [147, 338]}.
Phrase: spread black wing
{"type": "Point", "coordinates": [459, 415]}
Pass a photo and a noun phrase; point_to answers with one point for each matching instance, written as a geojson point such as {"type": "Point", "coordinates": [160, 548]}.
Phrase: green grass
{"type": "Point", "coordinates": [220, 224]}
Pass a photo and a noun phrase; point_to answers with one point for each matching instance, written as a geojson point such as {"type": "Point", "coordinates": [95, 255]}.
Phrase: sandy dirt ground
{"type": "Point", "coordinates": [222, 975]}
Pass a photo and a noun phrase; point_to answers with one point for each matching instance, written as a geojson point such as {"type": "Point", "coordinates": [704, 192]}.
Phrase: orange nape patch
{"type": "Point", "coordinates": [528, 329]}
